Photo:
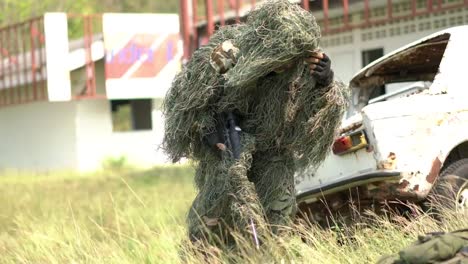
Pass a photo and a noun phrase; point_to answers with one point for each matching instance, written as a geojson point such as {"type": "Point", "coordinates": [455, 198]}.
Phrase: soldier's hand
{"type": "Point", "coordinates": [214, 141]}
{"type": "Point", "coordinates": [320, 67]}
{"type": "Point", "coordinates": [221, 146]}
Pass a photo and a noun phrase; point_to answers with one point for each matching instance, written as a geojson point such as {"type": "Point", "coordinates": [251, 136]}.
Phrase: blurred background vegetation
{"type": "Point", "coordinates": [14, 11]}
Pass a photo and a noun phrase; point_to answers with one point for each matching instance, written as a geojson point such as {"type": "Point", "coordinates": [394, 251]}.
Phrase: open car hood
{"type": "Point", "coordinates": [417, 61]}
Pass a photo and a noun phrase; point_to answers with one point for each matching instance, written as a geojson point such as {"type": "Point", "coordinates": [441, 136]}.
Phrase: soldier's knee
{"type": "Point", "coordinates": [282, 209]}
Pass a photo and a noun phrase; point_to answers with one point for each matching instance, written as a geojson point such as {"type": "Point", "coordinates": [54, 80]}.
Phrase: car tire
{"type": "Point", "coordinates": [451, 189]}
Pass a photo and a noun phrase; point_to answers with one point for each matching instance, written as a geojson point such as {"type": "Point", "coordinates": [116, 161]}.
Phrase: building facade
{"type": "Point", "coordinates": [354, 32]}
{"type": "Point", "coordinates": [77, 91]}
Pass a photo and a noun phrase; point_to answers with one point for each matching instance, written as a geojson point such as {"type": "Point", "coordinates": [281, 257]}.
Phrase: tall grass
{"type": "Point", "coordinates": [138, 217]}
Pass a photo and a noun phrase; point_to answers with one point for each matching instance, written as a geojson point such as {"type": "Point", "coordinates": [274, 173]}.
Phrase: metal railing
{"type": "Point", "coordinates": [199, 20]}
{"type": "Point", "coordinates": [22, 62]}
{"type": "Point", "coordinates": [23, 74]}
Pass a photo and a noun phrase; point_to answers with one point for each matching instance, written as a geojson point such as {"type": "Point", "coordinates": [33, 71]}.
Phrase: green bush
{"type": "Point", "coordinates": [115, 163]}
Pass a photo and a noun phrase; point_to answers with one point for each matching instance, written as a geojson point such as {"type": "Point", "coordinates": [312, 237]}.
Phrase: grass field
{"type": "Point", "coordinates": [138, 217]}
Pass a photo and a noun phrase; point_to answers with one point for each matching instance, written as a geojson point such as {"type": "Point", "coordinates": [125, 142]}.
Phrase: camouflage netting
{"type": "Point", "coordinates": [289, 118]}
{"type": "Point", "coordinates": [275, 34]}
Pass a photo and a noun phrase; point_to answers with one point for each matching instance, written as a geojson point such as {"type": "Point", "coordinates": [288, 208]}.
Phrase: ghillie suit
{"type": "Point", "coordinates": [256, 70]}
{"type": "Point", "coordinates": [439, 247]}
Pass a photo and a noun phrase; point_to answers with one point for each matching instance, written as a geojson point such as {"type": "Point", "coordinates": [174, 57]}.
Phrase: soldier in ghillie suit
{"type": "Point", "coordinates": [264, 82]}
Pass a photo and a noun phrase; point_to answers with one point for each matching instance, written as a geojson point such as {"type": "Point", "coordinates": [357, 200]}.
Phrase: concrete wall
{"type": "Point", "coordinates": [93, 128]}
{"type": "Point", "coordinates": [48, 136]}
{"type": "Point", "coordinates": [73, 135]}
{"type": "Point", "coordinates": [142, 148]}
{"type": "Point", "coordinates": [96, 141]}
{"type": "Point", "coordinates": [38, 136]}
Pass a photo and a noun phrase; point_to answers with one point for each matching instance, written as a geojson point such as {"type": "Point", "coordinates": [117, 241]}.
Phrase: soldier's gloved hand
{"type": "Point", "coordinates": [320, 67]}
{"type": "Point", "coordinates": [214, 141]}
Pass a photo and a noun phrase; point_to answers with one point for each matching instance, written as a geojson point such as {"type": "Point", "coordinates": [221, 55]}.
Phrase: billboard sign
{"type": "Point", "coordinates": [143, 54]}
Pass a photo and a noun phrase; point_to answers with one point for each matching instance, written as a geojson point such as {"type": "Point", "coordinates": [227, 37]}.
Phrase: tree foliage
{"type": "Point", "coordinates": [14, 11]}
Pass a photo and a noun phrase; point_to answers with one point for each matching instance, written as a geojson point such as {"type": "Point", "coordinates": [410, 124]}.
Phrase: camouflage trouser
{"type": "Point", "coordinates": [211, 202]}
{"type": "Point", "coordinates": [269, 187]}
{"type": "Point", "coordinates": [273, 176]}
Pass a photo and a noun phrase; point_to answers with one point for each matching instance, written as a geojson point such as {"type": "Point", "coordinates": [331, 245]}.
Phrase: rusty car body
{"type": "Point", "coordinates": [401, 140]}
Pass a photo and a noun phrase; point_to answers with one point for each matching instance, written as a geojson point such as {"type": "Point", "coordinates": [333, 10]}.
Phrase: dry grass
{"type": "Point", "coordinates": [130, 217]}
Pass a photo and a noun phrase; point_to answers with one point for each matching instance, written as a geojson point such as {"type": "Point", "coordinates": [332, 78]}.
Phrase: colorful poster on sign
{"type": "Point", "coordinates": [143, 54]}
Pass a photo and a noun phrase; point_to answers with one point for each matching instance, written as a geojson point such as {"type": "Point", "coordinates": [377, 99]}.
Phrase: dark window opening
{"type": "Point", "coordinates": [369, 56]}
{"type": "Point", "coordinates": [131, 115]}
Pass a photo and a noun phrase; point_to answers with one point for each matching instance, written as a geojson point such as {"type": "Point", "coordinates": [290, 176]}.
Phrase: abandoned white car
{"type": "Point", "coordinates": [399, 145]}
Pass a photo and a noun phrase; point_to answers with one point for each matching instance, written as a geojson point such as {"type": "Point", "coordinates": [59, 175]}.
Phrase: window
{"type": "Point", "coordinates": [369, 56]}
{"type": "Point", "coordinates": [131, 115]}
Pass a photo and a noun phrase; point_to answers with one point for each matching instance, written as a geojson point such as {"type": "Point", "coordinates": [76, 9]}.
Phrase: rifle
{"type": "Point", "coordinates": [231, 135]}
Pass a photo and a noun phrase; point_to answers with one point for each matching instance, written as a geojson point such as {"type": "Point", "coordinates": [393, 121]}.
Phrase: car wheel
{"type": "Point", "coordinates": [451, 189]}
